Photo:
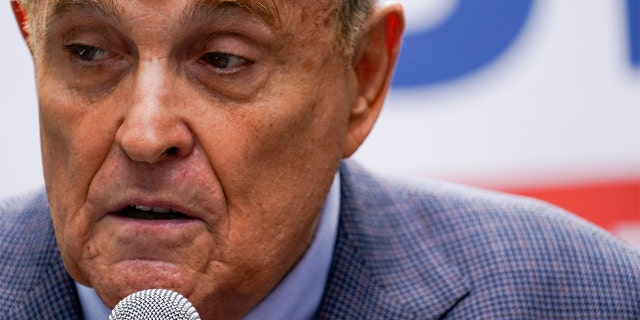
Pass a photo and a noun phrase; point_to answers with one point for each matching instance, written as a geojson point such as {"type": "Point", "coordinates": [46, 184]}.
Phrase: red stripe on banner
{"type": "Point", "coordinates": [606, 204]}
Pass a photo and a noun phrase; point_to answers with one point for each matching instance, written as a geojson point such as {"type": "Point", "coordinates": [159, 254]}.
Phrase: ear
{"type": "Point", "coordinates": [21, 17]}
{"type": "Point", "coordinates": [375, 57]}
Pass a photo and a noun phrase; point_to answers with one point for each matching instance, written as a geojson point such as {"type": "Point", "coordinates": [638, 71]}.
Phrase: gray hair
{"type": "Point", "coordinates": [352, 15]}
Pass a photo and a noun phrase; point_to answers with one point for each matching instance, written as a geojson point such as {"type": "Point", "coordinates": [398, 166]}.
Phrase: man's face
{"type": "Point", "coordinates": [187, 144]}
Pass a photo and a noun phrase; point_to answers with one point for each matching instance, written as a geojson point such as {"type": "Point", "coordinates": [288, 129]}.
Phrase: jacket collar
{"type": "Point", "coordinates": [385, 264]}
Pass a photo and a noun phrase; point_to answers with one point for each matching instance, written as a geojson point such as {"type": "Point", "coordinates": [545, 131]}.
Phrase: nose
{"type": "Point", "coordinates": [153, 130]}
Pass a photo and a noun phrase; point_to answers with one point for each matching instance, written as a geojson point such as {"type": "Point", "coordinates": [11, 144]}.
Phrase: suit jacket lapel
{"type": "Point", "coordinates": [384, 265]}
{"type": "Point", "coordinates": [54, 294]}
{"type": "Point", "coordinates": [35, 275]}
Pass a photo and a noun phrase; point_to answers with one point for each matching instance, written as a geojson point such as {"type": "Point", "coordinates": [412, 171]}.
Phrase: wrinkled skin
{"type": "Point", "coordinates": [235, 118]}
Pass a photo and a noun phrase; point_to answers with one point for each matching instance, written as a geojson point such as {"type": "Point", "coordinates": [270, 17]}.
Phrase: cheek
{"type": "Point", "coordinates": [275, 162]}
{"type": "Point", "coordinates": [74, 143]}
{"type": "Point", "coordinates": [57, 129]}
{"type": "Point", "coordinates": [76, 132]}
{"type": "Point", "coordinates": [275, 141]}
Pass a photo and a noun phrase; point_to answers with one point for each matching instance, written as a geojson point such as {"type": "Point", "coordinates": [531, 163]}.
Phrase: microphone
{"type": "Point", "coordinates": [154, 304]}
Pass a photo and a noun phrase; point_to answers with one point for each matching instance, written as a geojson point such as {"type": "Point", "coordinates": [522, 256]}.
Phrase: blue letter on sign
{"type": "Point", "coordinates": [633, 8]}
{"type": "Point", "coordinates": [475, 34]}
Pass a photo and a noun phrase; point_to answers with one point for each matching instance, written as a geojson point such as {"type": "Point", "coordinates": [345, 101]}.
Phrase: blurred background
{"type": "Point", "coordinates": [533, 97]}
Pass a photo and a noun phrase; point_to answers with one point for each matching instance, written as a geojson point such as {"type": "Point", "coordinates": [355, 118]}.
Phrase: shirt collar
{"type": "Point", "coordinates": [297, 296]}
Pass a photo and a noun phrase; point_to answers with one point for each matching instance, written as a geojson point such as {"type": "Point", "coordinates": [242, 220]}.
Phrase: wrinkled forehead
{"type": "Point", "coordinates": [275, 13]}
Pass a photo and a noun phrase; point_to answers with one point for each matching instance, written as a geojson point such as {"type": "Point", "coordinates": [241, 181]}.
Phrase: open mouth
{"type": "Point", "coordinates": [151, 213]}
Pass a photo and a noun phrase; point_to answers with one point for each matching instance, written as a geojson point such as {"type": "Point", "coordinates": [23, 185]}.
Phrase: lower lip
{"type": "Point", "coordinates": [151, 240]}
{"type": "Point", "coordinates": [148, 223]}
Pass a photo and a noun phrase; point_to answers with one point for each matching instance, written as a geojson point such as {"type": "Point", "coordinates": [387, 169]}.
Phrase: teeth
{"type": "Point", "coordinates": [154, 209]}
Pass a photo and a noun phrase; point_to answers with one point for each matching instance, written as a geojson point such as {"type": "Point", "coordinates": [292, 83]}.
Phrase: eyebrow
{"type": "Point", "coordinates": [105, 8]}
{"type": "Point", "coordinates": [200, 9]}
{"type": "Point", "coordinates": [196, 10]}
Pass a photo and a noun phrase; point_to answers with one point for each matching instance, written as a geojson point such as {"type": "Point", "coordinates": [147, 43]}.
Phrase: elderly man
{"type": "Point", "coordinates": [198, 146]}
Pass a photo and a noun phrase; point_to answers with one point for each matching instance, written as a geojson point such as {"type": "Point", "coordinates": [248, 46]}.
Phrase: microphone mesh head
{"type": "Point", "coordinates": [154, 304]}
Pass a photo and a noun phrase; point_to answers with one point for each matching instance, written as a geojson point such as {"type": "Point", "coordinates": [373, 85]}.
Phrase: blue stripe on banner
{"type": "Point", "coordinates": [633, 9]}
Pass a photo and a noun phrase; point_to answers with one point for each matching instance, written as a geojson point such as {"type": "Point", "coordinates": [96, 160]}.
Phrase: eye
{"type": "Point", "coordinates": [223, 60]}
{"type": "Point", "coordinates": [87, 53]}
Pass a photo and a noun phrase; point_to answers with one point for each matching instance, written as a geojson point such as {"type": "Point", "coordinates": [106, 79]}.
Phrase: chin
{"type": "Point", "coordinates": [128, 277]}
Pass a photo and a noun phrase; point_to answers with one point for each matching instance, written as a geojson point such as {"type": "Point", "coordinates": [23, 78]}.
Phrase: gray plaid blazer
{"type": "Point", "coordinates": [417, 250]}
